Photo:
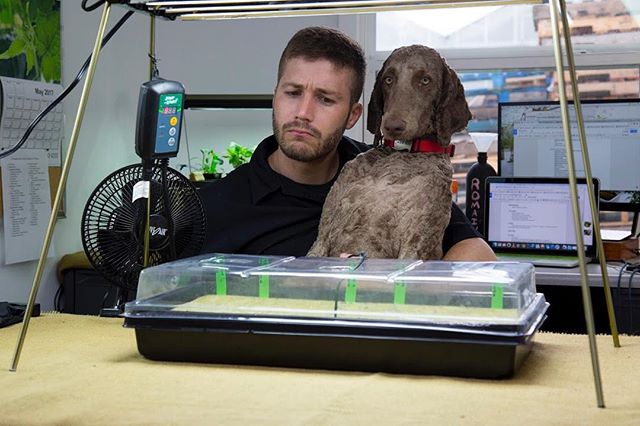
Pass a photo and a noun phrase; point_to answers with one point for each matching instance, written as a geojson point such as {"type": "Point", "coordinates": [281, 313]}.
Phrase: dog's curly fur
{"type": "Point", "coordinates": [392, 204]}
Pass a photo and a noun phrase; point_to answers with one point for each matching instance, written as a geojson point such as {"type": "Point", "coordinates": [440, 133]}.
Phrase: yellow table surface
{"type": "Point", "coordinates": [87, 370]}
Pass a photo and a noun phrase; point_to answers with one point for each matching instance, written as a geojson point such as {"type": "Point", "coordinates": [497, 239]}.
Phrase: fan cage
{"type": "Point", "coordinates": [113, 224]}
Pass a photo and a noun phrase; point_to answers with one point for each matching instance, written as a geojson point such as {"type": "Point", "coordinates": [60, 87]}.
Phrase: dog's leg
{"type": "Point", "coordinates": [431, 213]}
{"type": "Point", "coordinates": [332, 213]}
{"type": "Point", "coordinates": [426, 243]}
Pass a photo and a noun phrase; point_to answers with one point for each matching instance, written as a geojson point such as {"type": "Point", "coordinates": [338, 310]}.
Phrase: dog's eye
{"type": "Point", "coordinates": [388, 80]}
{"type": "Point", "coordinates": [425, 80]}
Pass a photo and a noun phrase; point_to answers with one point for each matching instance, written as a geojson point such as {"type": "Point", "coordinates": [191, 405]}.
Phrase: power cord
{"type": "Point", "coordinates": [155, 73]}
{"type": "Point", "coordinates": [91, 7]}
{"type": "Point", "coordinates": [105, 297]}
{"type": "Point", "coordinates": [622, 269]}
{"type": "Point", "coordinates": [166, 204]}
{"type": "Point", "coordinates": [632, 267]}
{"type": "Point", "coordinates": [186, 142]}
{"type": "Point", "coordinates": [630, 301]}
{"type": "Point", "coordinates": [68, 90]}
{"type": "Point", "coordinates": [57, 298]}
{"type": "Point", "coordinates": [362, 257]}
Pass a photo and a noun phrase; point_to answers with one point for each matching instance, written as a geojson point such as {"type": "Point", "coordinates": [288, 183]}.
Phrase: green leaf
{"type": "Point", "coordinates": [50, 69]}
{"type": "Point", "coordinates": [47, 31]}
{"type": "Point", "coordinates": [31, 59]}
{"type": "Point", "coordinates": [210, 161]}
{"type": "Point", "coordinates": [16, 48]}
{"type": "Point", "coordinates": [6, 12]}
{"type": "Point", "coordinates": [47, 35]}
{"type": "Point", "coordinates": [17, 21]}
{"type": "Point", "coordinates": [238, 154]}
{"type": "Point", "coordinates": [43, 6]}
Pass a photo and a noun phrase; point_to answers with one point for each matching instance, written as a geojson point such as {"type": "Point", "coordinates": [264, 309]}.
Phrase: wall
{"type": "Point", "coordinates": [208, 57]}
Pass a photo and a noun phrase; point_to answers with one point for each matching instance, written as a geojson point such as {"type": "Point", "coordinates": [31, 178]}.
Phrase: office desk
{"type": "Point", "coordinates": [86, 370]}
{"type": "Point", "coordinates": [561, 287]}
{"type": "Point", "coordinates": [571, 276]}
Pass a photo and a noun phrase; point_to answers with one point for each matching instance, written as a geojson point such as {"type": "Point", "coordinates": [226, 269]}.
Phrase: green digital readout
{"type": "Point", "coordinates": [170, 103]}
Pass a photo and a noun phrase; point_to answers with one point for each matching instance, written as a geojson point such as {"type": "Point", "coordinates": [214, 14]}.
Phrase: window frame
{"type": "Point", "coordinates": [490, 59]}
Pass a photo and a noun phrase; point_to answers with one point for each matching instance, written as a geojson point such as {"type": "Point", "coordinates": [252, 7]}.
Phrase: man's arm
{"type": "Point", "coordinates": [471, 249]}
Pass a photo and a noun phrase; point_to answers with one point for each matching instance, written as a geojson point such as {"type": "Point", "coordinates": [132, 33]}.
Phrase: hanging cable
{"type": "Point", "coordinates": [155, 73]}
{"type": "Point", "coordinates": [66, 91]}
{"type": "Point", "coordinates": [166, 203]}
{"type": "Point", "coordinates": [91, 7]}
{"type": "Point", "coordinates": [186, 142]}
{"type": "Point", "coordinates": [630, 301]}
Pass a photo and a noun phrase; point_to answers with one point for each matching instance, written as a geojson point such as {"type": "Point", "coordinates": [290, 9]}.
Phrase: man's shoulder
{"type": "Point", "coordinates": [350, 148]}
{"type": "Point", "coordinates": [236, 180]}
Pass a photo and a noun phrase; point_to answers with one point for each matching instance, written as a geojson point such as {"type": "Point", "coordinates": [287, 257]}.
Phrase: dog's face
{"type": "Point", "coordinates": [417, 95]}
{"type": "Point", "coordinates": [410, 88]}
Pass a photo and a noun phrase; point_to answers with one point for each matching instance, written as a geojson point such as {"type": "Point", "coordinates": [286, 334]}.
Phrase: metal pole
{"type": "Point", "coordinates": [63, 180]}
{"type": "Point", "coordinates": [152, 58]}
{"type": "Point", "coordinates": [588, 175]}
{"type": "Point", "coordinates": [586, 296]}
{"type": "Point", "coordinates": [152, 44]}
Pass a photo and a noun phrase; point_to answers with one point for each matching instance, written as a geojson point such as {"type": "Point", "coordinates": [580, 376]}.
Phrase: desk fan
{"type": "Point", "coordinates": [144, 214]}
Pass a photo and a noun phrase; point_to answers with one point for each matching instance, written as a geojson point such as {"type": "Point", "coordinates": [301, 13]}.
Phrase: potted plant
{"type": "Point", "coordinates": [210, 163]}
{"type": "Point", "coordinates": [238, 154]}
{"type": "Point", "coordinates": [208, 167]}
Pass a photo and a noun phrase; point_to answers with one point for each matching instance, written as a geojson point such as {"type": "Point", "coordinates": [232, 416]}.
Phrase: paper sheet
{"type": "Point", "coordinates": [21, 102]}
{"type": "Point", "coordinates": [27, 204]}
{"type": "Point", "coordinates": [614, 234]}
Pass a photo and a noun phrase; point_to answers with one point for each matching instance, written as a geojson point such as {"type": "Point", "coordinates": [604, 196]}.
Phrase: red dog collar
{"type": "Point", "coordinates": [420, 145]}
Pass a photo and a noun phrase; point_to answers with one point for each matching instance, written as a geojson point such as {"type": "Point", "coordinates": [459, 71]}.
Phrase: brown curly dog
{"type": "Point", "coordinates": [390, 203]}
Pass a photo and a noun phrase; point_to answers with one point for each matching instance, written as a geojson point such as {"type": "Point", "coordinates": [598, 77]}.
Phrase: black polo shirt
{"type": "Point", "coordinates": [255, 210]}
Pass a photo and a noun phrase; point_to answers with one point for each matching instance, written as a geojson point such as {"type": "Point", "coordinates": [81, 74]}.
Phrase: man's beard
{"type": "Point", "coordinates": [309, 152]}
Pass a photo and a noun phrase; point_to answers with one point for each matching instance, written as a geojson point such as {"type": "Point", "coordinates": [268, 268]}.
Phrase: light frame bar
{"type": "Point", "coordinates": [193, 10]}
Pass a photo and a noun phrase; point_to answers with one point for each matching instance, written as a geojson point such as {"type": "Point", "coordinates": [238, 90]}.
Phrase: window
{"type": "Point", "coordinates": [485, 89]}
{"type": "Point", "coordinates": [504, 53]}
{"type": "Point", "coordinates": [592, 22]}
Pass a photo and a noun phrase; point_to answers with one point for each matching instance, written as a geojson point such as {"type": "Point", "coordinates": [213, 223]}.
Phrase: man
{"type": "Point", "coordinates": [272, 205]}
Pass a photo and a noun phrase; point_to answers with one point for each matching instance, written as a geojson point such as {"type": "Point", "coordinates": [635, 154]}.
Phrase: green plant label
{"type": "Point", "coordinates": [263, 281]}
{"type": "Point", "coordinates": [350, 291]}
{"type": "Point", "coordinates": [400, 293]}
{"type": "Point", "coordinates": [497, 296]}
{"type": "Point", "coordinates": [221, 283]}
{"type": "Point", "coordinates": [263, 286]}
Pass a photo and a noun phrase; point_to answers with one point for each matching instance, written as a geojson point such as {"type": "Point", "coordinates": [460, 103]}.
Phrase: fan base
{"type": "Point", "coordinates": [113, 312]}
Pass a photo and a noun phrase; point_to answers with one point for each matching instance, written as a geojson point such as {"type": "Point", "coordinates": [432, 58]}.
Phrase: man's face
{"type": "Point", "coordinates": [312, 108]}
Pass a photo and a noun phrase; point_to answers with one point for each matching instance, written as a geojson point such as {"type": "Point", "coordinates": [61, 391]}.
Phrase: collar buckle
{"type": "Point", "coordinates": [420, 145]}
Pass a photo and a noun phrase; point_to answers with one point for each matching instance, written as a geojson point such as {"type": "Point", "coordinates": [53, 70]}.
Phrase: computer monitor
{"type": "Point", "coordinates": [531, 143]}
{"type": "Point", "coordinates": [535, 215]}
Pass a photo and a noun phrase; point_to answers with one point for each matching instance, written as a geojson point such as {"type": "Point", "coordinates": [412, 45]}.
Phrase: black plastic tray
{"type": "Point", "coordinates": [332, 344]}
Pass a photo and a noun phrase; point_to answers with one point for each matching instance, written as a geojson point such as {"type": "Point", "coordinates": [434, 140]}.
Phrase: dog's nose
{"type": "Point", "coordinates": [394, 127]}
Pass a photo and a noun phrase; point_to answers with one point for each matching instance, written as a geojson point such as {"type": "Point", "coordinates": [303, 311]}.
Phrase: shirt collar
{"type": "Point", "coordinates": [262, 179]}
{"type": "Point", "coordinates": [265, 181]}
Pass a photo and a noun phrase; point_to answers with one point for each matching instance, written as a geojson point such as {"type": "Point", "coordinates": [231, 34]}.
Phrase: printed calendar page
{"type": "Point", "coordinates": [20, 103]}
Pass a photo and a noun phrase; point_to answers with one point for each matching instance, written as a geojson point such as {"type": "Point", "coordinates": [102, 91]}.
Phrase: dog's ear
{"type": "Point", "coordinates": [452, 112]}
{"type": "Point", "coordinates": [376, 108]}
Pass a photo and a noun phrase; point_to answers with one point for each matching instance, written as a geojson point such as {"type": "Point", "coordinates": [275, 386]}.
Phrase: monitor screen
{"type": "Point", "coordinates": [531, 143]}
{"type": "Point", "coordinates": [536, 214]}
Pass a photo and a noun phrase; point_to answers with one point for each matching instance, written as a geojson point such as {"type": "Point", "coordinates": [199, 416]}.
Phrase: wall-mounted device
{"type": "Point", "coordinates": [159, 122]}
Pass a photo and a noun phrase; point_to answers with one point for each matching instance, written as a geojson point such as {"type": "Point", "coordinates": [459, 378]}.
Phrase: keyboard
{"type": "Point", "coordinates": [552, 260]}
